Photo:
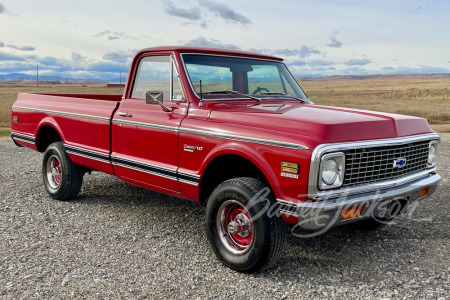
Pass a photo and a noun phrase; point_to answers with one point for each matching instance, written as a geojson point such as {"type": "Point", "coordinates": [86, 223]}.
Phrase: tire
{"type": "Point", "coordinates": [255, 240]}
{"type": "Point", "coordinates": [62, 178]}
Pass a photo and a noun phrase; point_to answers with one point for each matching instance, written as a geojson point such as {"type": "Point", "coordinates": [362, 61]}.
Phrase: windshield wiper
{"type": "Point", "coordinates": [232, 92]}
{"type": "Point", "coordinates": [283, 94]}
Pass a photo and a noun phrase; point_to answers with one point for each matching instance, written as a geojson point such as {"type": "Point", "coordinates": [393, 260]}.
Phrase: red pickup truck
{"type": "Point", "coordinates": [233, 129]}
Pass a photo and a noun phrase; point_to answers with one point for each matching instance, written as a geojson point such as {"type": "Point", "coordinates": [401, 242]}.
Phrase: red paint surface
{"type": "Point", "coordinates": [290, 121]}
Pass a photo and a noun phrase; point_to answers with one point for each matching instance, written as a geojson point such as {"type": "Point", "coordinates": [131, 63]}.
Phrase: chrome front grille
{"type": "Point", "coordinates": [374, 164]}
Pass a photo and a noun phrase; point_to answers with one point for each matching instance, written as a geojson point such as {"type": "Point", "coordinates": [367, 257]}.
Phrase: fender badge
{"type": "Point", "coordinates": [289, 169]}
{"type": "Point", "coordinates": [289, 175]}
{"type": "Point", "coordinates": [188, 148]}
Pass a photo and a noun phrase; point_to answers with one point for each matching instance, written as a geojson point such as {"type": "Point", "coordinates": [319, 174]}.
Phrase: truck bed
{"type": "Point", "coordinates": [82, 121]}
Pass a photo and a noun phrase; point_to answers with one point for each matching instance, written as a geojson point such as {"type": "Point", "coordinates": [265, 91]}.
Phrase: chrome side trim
{"type": "Point", "coordinates": [189, 174]}
{"type": "Point", "coordinates": [87, 153]}
{"type": "Point", "coordinates": [62, 113]}
{"type": "Point", "coordinates": [189, 178]}
{"type": "Point", "coordinates": [244, 139]}
{"type": "Point", "coordinates": [214, 134]}
{"type": "Point", "coordinates": [23, 137]}
{"type": "Point", "coordinates": [313, 191]}
{"type": "Point", "coordinates": [169, 173]}
{"type": "Point", "coordinates": [116, 157]}
{"type": "Point", "coordinates": [147, 125]}
{"type": "Point", "coordinates": [156, 170]}
{"type": "Point", "coordinates": [188, 182]}
{"type": "Point", "coordinates": [287, 207]}
{"type": "Point", "coordinates": [175, 129]}
{"type": "Point", "coordinates": [144, 170]}
{"type": "Point", "coordinates": [87, 156]}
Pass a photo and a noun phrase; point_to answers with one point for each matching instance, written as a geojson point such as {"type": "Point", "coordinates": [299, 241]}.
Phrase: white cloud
{"type": "Point", "coordinates": [209, 43]}
{"type": "Point", "coordinates": [334, 42]}
{"type": "Point", "coordinates": [225, 12]}
{"type": "Point", "coordinates": [371, 34]}
{"type": "Point", "coordinates": [192, 13]}
{"type": "Point", "coordinates": [358, 62]}
{"type": "Point", "coordinates": [117, 35]}
{"type": "Point", "coordinates": [21, 48]}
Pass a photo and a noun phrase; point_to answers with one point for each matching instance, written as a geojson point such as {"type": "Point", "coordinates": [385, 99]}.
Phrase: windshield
{"type": "Point", "coordinates": [221, 74]}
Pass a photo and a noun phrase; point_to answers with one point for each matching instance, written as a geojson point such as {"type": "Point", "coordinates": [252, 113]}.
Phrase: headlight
{"type": "Point", "coordinates": [331, 173]}
{"type": "Point", "coordinates": [432, 154]}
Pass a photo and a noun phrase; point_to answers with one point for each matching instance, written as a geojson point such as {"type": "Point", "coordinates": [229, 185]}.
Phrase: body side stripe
{"type": "Point", "coordinates": [144, 124]}
{"type": "Point", "coordinates": [176, 129]}
{"type": "Point", "coordinates": [62, 113]}
{"type": "Point", "coordinates": [22, 137]}
{"type": "Point", "coordinates": [244, 139]}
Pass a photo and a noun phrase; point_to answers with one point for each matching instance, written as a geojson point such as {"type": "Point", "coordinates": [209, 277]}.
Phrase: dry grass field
{"type": "Point", "coordinates": [425, 98]}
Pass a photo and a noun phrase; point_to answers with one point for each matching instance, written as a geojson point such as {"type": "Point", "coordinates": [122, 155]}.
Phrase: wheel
{"type": "Point", "coordinates": [62, 178]}
{"type": "Point", "coordinates": [242, 235]}
{"type": "Point", "coordinates": [259, 89]}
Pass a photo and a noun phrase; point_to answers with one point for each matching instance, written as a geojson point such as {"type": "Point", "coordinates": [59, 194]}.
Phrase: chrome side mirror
{"type": "Point", "coordinates": [156, 98]}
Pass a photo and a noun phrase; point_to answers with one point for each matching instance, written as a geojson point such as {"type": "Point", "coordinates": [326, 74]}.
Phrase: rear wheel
{"type": "Point", "coordinates": [62, 178]}
{"type": "Point", "coordinates": [241, 233]}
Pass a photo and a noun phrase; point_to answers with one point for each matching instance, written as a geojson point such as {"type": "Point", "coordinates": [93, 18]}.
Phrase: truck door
{"type": "Point", "coordinates": [145, 136]}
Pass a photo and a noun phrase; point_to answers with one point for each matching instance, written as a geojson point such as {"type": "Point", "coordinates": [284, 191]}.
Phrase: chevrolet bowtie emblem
{"type": "Point", "coordinates": [399, 162]}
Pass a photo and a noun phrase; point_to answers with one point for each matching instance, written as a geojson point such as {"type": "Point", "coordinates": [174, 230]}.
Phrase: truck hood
{"type": "Point", "coordinates": [327, 124]}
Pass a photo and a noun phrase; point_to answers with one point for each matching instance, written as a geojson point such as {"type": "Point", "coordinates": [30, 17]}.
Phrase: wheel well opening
{"type": "Point", "coordinates": [46, 135]}
{"type": "Point", "coordinates": [226, 167]}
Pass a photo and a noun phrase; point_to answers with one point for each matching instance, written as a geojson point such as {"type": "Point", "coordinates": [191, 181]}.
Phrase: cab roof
{"type": "Point", "coordinates": [183, 49]}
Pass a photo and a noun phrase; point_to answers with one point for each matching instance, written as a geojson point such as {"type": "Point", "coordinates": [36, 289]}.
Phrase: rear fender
{"type": "Point", "coordinates": [50, 121]}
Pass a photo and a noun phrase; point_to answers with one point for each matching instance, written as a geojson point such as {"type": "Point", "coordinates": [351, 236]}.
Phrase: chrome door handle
{"type": "Point", "coordinates": [124, 114]}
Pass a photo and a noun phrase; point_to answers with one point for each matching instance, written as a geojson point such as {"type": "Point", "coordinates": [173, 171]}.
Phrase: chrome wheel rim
{"type": "Point", "coordinates": [54, 172]}
{"type": "Point", "coordinates": [235, 227]}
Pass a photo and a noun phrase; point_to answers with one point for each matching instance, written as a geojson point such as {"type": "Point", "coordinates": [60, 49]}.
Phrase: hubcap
{"type": "Point", "coordinates": [235, 227]}
{"type": "Point", "coordinates": [54, 172]}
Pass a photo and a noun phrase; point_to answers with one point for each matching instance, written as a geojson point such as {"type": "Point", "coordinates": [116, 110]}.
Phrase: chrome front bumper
{"type": "Point", "coordinates": [327, 213]}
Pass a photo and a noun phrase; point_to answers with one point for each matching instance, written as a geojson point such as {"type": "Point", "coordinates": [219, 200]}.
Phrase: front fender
{"type": "Point", "coordinates": [251, 154]}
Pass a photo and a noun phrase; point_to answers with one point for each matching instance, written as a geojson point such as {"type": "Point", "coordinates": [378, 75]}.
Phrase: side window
{"type": "Point", "coordinates": [157, 73]}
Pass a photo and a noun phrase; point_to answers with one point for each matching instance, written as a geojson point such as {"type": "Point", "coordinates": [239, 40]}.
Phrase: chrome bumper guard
{"type": "Point", "coordinates": [327, 212]}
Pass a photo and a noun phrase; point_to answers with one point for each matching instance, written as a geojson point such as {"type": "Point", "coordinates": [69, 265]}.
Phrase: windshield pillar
{"type": "Point", "coordinates": [240, 82]}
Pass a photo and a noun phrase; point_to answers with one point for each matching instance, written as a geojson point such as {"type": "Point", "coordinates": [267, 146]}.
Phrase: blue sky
{"type": "Point", "coordinates": [97, 39]}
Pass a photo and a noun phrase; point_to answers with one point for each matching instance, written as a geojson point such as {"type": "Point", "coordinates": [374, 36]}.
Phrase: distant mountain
{"type": "Point", "coordinates": [15, 77]}
{"type": "Point", "coordinates": [379, 77]}
{"type": "Point", "coordinates": [26, 77]}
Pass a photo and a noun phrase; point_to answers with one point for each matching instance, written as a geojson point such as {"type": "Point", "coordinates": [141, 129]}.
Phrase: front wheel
{"type": "Point", "coordinates": [62, 178]}
{"type": "Point", "coordinates": [242, 234]}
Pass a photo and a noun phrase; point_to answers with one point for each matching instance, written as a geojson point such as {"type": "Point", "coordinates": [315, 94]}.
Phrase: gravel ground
{"type": "Point", "coordinates": [120, 241]}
